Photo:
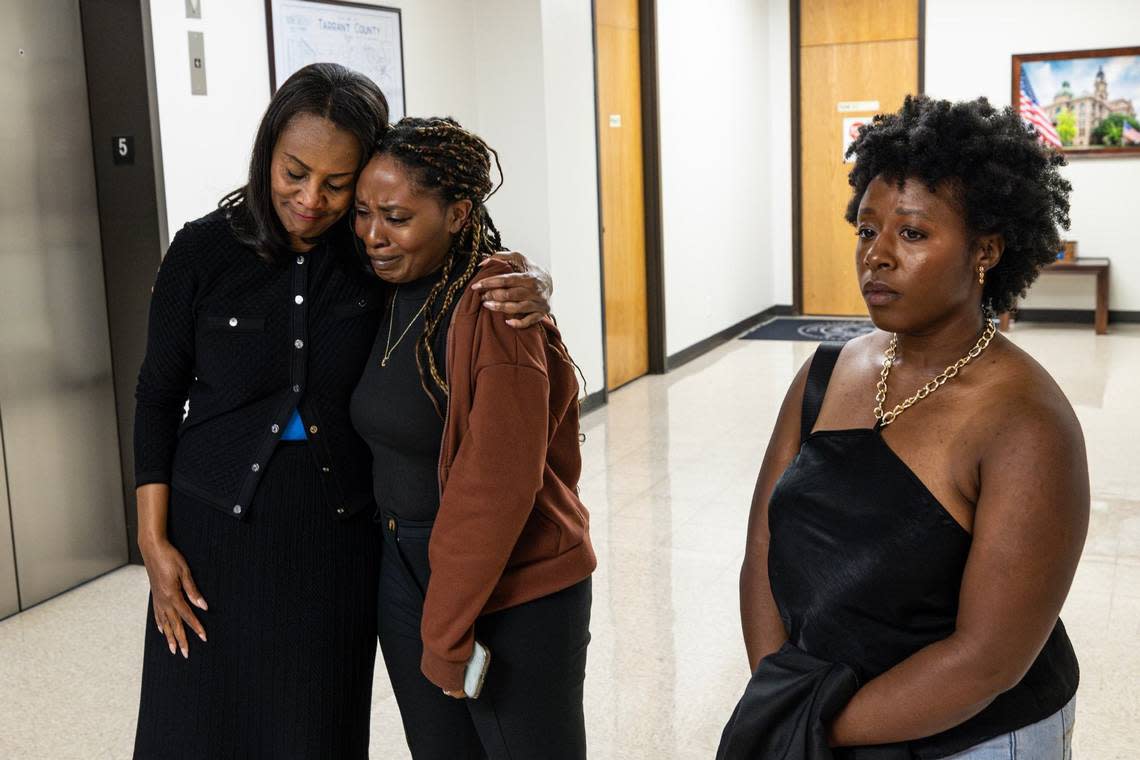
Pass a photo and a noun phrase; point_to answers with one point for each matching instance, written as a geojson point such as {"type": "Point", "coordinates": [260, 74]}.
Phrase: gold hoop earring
{"type": "Point", "coordinates": [981, 275]}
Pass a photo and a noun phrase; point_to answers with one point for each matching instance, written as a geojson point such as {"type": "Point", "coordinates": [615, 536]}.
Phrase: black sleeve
{"type": "Point", "coordinates": [787, 707]}
{"type": "Point", "coordinates": [168, 367]}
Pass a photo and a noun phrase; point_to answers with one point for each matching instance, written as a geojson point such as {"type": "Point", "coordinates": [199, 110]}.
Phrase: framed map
{"type": "Point", "coordinates": [365, 38]}
{"type": "Point", "coordinates": [1081, 101]}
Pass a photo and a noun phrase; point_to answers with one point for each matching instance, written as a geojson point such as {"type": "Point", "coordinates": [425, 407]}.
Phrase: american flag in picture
{"type": "Point", "coordinates": [1130, 135]}
{"type": "Point", "coordinates": [1031, 114]}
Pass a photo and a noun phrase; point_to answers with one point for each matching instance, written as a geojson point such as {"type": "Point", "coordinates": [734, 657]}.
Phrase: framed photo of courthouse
{"type": "Point", "coordinates": [365, 38]}
{"type": "Point", "coordinates": [1081, 102]}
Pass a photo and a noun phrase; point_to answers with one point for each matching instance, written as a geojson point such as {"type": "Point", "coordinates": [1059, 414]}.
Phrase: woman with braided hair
{"type": "Point", "coordinates": [473, 428]}
{"type": "Point", "coordinates": [924, 498]}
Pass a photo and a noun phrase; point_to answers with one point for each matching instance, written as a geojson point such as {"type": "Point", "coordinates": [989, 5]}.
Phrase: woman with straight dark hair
{"type": "Point", "coordinates": [254, 492]}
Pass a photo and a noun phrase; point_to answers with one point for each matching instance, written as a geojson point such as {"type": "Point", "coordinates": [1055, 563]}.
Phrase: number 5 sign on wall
{"type": "Point", "coordinates": [123, 149]}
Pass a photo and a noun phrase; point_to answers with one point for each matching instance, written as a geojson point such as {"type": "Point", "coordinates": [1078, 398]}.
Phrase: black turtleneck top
{"type": "Point", "coordinates": [394, 415]}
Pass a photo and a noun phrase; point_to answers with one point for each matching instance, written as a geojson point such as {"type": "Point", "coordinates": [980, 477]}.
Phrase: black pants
{"type": "Point", "coordinates": [531, 705]}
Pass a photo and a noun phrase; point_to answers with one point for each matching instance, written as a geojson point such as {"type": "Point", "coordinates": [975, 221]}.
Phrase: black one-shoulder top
{"type": "Point", "coordinates": [866, 569]}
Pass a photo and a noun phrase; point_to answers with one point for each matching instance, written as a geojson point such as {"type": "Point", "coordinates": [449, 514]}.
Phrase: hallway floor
{"type": "Point", "coordinates": [669, 469]}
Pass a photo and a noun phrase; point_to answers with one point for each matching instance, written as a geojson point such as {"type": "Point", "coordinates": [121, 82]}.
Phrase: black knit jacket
{"type": "Point", "coordinates": [245, 342]}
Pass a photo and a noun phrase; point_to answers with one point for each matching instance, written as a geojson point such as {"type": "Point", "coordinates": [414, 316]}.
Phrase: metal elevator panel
{"type": "Point", "coordinates": [56, 396]}
{"type": "Point", "coordinates": [9, 594]}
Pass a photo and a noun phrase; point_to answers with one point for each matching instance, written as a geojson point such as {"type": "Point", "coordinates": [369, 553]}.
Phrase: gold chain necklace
{"type": "Point", "coordinates": [388, 347]}
{"type": "Point", "coordinates": [886, 418]}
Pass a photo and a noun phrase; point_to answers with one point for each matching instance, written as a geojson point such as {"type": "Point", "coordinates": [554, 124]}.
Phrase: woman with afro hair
{"type": "Point", "coordinates": [923, 501]}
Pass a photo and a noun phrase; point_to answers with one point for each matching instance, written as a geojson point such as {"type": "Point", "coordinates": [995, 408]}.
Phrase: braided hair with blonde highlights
{"type": "Point", "coordinates": [445, 159]}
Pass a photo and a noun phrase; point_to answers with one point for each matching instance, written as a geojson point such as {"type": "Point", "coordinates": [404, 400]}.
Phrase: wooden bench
{"type": "Point", "coordinates": [1099, 267]}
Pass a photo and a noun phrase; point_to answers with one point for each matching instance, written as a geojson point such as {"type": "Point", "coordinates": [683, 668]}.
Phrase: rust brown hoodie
{"type": "Point", "coordinates": [510, 527]}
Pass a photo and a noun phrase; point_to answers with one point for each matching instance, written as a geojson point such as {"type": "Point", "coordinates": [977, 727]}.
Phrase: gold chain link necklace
{"type": "Point", "coordinates": [388, 347]}
{"type": "Point", "coordinates": [886, 418]}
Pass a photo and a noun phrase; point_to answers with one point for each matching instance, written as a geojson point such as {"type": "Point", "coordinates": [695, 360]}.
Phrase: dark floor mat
{"type": "Point", "coordinates": [813, 329]}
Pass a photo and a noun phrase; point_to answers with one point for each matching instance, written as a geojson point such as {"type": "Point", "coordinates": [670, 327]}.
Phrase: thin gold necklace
{"type": "Point", "coordinates": [388, 347]}
{"type": "Point", "coordinates": [886, 418]}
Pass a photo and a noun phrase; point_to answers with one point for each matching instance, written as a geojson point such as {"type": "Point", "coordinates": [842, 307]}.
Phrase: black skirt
{"type": "Point", "coordinates": [291, 628]}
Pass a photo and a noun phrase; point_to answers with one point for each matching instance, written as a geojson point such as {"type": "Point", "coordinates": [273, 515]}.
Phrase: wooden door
{"type": "Point", "coordinates": [849, 55]}
{"type": "Point", "coordinates": [622, 191]}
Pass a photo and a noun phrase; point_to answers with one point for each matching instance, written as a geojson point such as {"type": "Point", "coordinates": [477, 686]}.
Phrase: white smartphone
{"type": "Point", "coordinates": [476, 671]}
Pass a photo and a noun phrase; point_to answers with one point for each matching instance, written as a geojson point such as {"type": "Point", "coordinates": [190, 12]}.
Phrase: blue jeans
{"type": "Point", "coordinates": [1048, 739]}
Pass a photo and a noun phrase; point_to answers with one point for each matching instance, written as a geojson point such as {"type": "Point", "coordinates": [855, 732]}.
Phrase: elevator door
{"type": "Point", "coordinates": [56, 398]}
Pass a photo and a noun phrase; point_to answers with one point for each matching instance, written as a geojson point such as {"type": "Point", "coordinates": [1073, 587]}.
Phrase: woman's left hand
{"type": "Point", "coordinates": [455, 694]}
{"type": "Point", "coordinates": [525, 292]}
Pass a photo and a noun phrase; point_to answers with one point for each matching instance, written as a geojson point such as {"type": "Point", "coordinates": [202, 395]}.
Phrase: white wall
{"type": "Point", "coordinates": [715, 165]}
{"type": "Point", "coordinates": [968, 49]}
{"type": "Point", "coordinates": [534, 92]}
{"type": "Point", "coordinates": [780, 150]}
{"type": "Point", "coordinates": [535, 101]}
{"type": "Point", "coordinates": [510, 103]}
{"type": "Point", "coordinates": [481, 61]}
{"type": "Point", "coordinates": [206, 139]}
{"type": "Point", "coordinates": [572, 179]}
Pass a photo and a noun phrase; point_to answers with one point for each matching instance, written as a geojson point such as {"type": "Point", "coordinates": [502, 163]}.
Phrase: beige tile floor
{"type": "Point", "coordinates": [669, 466]}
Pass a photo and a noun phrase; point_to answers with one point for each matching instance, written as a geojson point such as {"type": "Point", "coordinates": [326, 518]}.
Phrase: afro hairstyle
{"type": "Point", "coordinates": [1002, 178]}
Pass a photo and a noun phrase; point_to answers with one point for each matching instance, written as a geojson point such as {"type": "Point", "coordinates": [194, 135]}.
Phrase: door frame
{"type": "Point", "coordinates": [122, 96]}
{"type": "Point", "coordinates": [797, 176]}
{"type": "Point", "coordinates": [651, 188]}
